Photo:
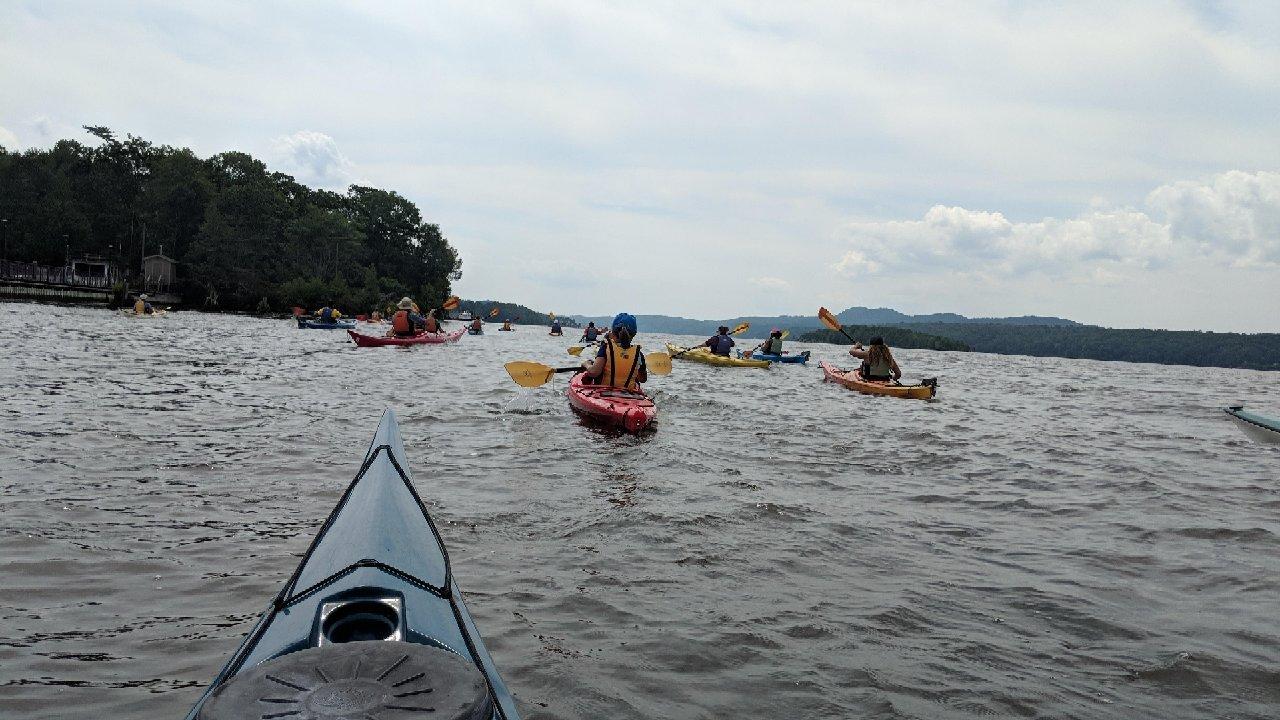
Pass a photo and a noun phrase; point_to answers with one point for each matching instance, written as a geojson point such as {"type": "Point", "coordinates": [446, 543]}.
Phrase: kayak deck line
{"type": "Point", "coordinates": [377, 572]}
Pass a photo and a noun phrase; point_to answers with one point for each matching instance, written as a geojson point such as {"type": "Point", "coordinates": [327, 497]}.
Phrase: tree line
{"type": "Point", "coordinates": [894, 336]}
{"type": "Point", "coordinates": [244, 237]}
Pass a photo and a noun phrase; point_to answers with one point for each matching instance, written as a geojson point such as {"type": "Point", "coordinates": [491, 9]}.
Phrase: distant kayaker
{"type": "Point", "coordinates": [375, 317]}
{"type": "Point", "coordinates": [555, 328]}
{"type": "Point", "coordinates": [477, 325]}
{"type": "Point", "coordinates": [720, 343]}
{"type": "Point", "coordinates": [619, 363]}
{"type": "Point", "coordinates": [877, 361]}
{"type": "Point", "coordinates": [506, 325]}
{"type": "Point", "coordinates": [590, 333]}
{"type": "Point", "coordinates": [773, 346]}
{"type": "Point", "coordinates": [407, 322]}
{"type": "Point", "coordinates": [328, 315]}
{"type": "Point", "coordinates": [141, 306]}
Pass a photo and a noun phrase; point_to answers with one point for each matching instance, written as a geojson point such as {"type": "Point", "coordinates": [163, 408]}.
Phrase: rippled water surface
{"type": "Point", "coordinates": [1050, 538]}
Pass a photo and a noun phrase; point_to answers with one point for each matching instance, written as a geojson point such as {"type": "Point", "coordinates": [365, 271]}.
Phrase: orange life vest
{"type": "Point", "coordinates": [400, 323]}
{"type": "Point", "coordinates": [621, 366]}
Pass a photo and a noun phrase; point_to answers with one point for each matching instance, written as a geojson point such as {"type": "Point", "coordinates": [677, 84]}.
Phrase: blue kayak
{"type": "Point", "coordinates": [371, 624]}
{"type": "Point", "coordinates": [308, 324]}
{"type": "Point", "coordinates": [797, 358]}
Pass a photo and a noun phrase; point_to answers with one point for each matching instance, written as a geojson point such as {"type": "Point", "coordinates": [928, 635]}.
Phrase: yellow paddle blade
{"type": "Point", "coordinates": [576, 350]}
{"type": "Point", "coordinates": [828, 319]}
{"type": "Point", "coordinates": [451, 303]}
{"type": "Point", "coordinates": [740, 329]}
{"type": "Point", "coordinates": [658, 363]}
{"type": "Point", "coordinates": [529, 374]}
{"type": "Point", "coordinates": [551, 315]}
{"type": "Point", "coordinates": [786, 334]}
{"type": "Point", "coordinates": [493, 312]}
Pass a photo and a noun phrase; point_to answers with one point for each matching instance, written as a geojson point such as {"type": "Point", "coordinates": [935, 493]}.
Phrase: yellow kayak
{"type": "Point", "coordinates": [703, 355]}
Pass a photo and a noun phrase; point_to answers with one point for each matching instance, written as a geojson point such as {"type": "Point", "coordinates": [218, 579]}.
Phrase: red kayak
{"type": "Point", "coordinates": [633, 411]}
{"type": "Point", "coordinates": [421, 339]}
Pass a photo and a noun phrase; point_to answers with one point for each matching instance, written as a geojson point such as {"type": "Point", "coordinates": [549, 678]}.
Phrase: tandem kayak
{"type": "Point", "coordinates": [632, 411]}
{"type": "Point", "coordinates": [422, 339]}
{"type": "Point", "coordinates": [770, 357]}
{"type": "Point", "coordinates": [1258, 427]}
{"type": "Point", "coordinates": [307, 324]}
{"type": "Point", "coordinates": [851, 379]}
{"type": "Point", "coordinates": [703, 355]}
{"type": "Point", "coordinates": [371, 624]}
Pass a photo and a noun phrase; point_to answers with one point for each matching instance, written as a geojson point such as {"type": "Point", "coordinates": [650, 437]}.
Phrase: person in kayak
{"type": "Point", "coordinates": [877, 361]}
{"type": "Point", "coordinates": [376, 317]}
{"type": "Point", "coordinates": [141, 306]}
{"type": "Point", "coordinates": [773, 346]}
{"type": "Point", "coordinates": [618, 363]}
{"type": "Point", "coordinates": [328, 315]}
{"type": "Point", "coordinates": [432, 322]}
{"type": "Point", "coordinates": [720, 343]}
{"type": "Point", "coordinates": [555, 328]}
{"type": "Point", "coordinates": [506, 325]}
{"type": "Point", "coordinates": [477, 325]}
{"type": "Point", "coordinates": [407, 322]}
{"type": "Point", "coordinates": [590, 333]}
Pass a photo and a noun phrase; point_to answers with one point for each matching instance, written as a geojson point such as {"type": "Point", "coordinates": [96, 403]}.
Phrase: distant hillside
{"type": "Point", "coordinates": [895, 336]}
{"type": "Point", "coordinates": [1259, 351]}
{"type": "Point", "coordinates": [797, 324]}
{"type": "Point", "coordinates": [1166, 347]}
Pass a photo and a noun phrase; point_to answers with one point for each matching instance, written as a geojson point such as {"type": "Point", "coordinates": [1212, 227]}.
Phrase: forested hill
{"type": "Point", "coordinates": [514, 312]}
{"type": "Point", "coordinates": [244, 237]}
{"type": "Point", "coordinates": [1167, 347]}
{"type": "Point", "coordinates": [760, 324]}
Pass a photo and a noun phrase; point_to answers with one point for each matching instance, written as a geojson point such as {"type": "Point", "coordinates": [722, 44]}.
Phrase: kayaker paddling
{"type": "Point", "coordinates": [406, 322]}
{"type": "Point", "coordinates": [142, 307]}
{"type": "Point", "coordinates": [773, 346]}
{"type": "Point", "coordinates": [720, 343]}
{"type": "Point", "coordinates": [877, 361]}
{"type": "Point", "coordinates": [328, 315]}
{"type": "Point", "coordinates": [477, 326]}
{"type": "Point", "coordinates": [589, 333]}
{"type": "Point", "coordinates": [618, 363]}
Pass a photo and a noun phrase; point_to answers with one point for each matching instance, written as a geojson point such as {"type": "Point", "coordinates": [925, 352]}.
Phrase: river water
{"type": "Point", "coordinates": [1050, 538]}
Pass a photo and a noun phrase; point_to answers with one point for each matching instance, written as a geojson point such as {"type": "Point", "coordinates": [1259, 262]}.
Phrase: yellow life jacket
{"type": "Point", "coordinates": [139, 307]}
{"type": "Point", "coordinates": [621, 366]}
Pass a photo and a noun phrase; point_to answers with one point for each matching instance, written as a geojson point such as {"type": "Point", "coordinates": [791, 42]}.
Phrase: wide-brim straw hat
{"type": "Point", "coordinates": [405, 304]}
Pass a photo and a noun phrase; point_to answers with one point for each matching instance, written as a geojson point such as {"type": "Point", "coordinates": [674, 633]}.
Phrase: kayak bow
{"type": "Point", "coordinates": [1258, 427]}
{"type": "Point", "coordinates": [370, 622]}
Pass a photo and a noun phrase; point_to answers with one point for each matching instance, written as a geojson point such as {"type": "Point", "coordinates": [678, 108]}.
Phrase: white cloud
{"type": "Point", "coordinates": [313, 158]}
{"type": "Point", "coordinates": [770, 283]}
{"type": "Point", "coordinates": [8, 140]}
{"type": "Point", "coordinates": [1236, 215]}
{"type": "Point", "coordinates": [1234, 218]}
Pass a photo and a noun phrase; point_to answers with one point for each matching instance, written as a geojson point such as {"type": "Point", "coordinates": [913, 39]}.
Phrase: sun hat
{"type": "Point", "coordinates": [405, 304]}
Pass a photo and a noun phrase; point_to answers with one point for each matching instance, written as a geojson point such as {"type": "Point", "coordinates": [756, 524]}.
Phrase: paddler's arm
{"type": "Point", "coordinates": [897, 372]}
{"type": "Point", "coordinates": [857, 351]}
{"type": "Point", "coordinates": [595, 367]}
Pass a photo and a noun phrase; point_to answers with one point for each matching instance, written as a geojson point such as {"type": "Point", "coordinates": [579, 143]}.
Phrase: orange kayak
{"type": "Point", "coordinates": [854, 381]}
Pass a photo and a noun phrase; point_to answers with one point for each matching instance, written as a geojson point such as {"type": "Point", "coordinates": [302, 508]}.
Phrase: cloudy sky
{"type": "Point", "coordinates": [1114, 162]}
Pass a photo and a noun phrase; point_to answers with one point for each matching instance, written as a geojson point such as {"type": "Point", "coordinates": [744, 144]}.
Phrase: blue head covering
{"type": "Point", "coordinates": [627, 321]}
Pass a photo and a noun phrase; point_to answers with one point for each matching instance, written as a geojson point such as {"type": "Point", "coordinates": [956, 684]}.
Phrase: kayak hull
{"type": "Point", "coordinates": [424, 339]}
{"type": "Point", "coordinates": [305, 324]}
{"type": "Point", "coordinates": [631, 411]}
{"type": "Point", "coordinates": [1258, 427]}
{"type": "Point", "coordinates": [378, 549]}
{"type": "Point", "coordinates": [853, 381]}
{"type": "Point", "coordinates": [800, 358]}
{"type": "Point", "coordinates": [703, 355]}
